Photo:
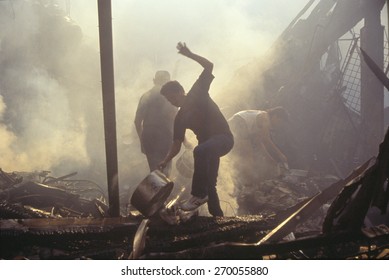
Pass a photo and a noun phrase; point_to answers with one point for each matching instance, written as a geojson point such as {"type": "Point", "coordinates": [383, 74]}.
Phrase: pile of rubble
{"type": "Point", "coordinates": [37, 195]}
{"type": "Point", "coordinates": [275, 195]}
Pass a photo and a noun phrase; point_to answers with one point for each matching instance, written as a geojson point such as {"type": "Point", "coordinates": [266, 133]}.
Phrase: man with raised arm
{"type": "Point", "coordinates": [199, 113]}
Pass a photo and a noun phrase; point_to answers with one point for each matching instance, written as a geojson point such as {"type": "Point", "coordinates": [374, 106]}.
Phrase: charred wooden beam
{"type": "Point", "coordinates": [349, 209]}
{"type": "Point", "coordinates": [73, 235]}
{"type": "Point", "coordinates": [203, 238]}
{"type": "Point", "coordinates": [339, 245]}
{"type": "Point", "coordinates": [71, 238]}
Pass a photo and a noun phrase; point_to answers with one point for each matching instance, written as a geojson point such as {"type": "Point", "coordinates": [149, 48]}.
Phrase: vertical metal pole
{"type": "Point", "coordinates": [108, 89]}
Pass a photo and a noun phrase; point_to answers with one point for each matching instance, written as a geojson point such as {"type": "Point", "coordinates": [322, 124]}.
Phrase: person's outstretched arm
{"type": "Point", "coordinates": [205, 63]}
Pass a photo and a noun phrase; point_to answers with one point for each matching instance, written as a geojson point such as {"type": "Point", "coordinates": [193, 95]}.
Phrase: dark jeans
{"type": "Point", "coordinates": [206, 166]}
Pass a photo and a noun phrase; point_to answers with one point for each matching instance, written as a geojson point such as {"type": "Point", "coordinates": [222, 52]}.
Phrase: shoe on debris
{"type": "Point", "coordinates": [193, 203]}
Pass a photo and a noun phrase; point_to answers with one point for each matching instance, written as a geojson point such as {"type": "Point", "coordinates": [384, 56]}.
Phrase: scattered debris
{"type": "Point", "coordinates": [306, 214]}
{"type": "Point", "coordinates": [55, 197]}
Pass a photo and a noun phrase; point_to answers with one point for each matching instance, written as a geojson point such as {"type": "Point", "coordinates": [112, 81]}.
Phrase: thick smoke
{"type": "Point", "coordinates": [50, 109]}
{"type": "Point", "coordinates": [46, 94]}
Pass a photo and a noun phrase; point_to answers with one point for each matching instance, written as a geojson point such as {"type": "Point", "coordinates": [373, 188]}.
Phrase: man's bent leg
{"type": "Point", "coordinates": [213, 198]}
{"type": "Point", "coordinates": [206, 164]}
{"type": "Point", "coordinates": [199, 179]}
{"type": "Point", "coordinates": [221, 145]}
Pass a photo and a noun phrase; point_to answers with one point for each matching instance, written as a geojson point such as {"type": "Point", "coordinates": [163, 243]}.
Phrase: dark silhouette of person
{"type": "Point", "coordinates": [199, 113]}
{"type": "Point", "coordinates": [154, 123]}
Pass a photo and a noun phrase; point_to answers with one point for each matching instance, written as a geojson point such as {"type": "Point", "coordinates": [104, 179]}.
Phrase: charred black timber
{"type": "Point", "coordinates": [207, 230]}
{"type": "Point", "coordinates": [73, 235]}
{"type": "Point", "coordinates": [349, 209]}
{"type": "Point", "coordinates": [340, 245]}
{"type": "Point", "coordinates": [201, 238]}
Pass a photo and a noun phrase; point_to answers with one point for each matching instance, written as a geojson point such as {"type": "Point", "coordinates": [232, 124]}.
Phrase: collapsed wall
{"type": "Point", "coordinates": [304, 73]}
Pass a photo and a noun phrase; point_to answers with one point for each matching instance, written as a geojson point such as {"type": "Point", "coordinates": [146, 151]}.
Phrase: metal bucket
{"type": "Point", "coordinates": [150, 195]}
{"type": "Point", "coordinates": [185, 164]}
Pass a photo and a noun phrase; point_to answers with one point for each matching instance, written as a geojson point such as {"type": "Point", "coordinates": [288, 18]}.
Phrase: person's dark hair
{"type": "Point", "coordinates": [171, 86]}
{"type": "Point", "coordinates": [280, 112]}
{"type": "Point", "coordinates": [161, 77]}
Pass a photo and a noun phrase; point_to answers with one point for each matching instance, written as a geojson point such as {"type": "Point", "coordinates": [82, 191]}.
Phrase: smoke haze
{"type": "Point", "coordinates": [50, 94]}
